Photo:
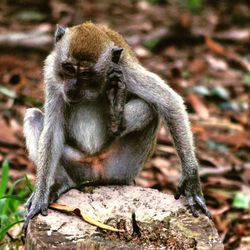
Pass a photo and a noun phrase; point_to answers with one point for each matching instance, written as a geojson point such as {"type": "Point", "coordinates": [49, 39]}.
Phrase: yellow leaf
{"type": "Point", "coordinates": [84, 216]}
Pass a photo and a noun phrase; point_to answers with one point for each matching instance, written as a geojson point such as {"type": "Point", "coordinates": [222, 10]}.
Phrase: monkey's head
{"type": "Point", "coordinates": [80, 60]}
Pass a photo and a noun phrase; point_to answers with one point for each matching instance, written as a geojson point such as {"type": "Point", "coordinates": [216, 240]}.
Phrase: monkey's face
{"type": "Point", "coordinates": [81, 82]}
{"type": "Point", "coordinates": [79, 62]}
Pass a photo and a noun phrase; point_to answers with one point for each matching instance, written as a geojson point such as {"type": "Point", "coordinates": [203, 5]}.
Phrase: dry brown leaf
{"type": "Point", "coordinates": [165, 149]}
{"type": "Point", "coordinates": [198, 106]}
{"type": "Point", "coordinates": [221, 225]}
{"type": "Point", "coordinates": [218, 211]}
{"type": "Point", "coordinates": [230, 55]}
{"type": "Point", "coordinates": [197, 66]}
{"type": "Point", "coordinates": [241, 139]}
{"type": "Point", "coordinates": [219, 195]}
{"type": "Point", "coordinates": [85, 217]}
{"type": "Point", "coordinates": [214, 46]}
{"type": "Point", "coordinates": [7, 136]}
{"type": "Point", "coordinates": [218, 123]}
{"type": "Point", "coordinates": [225, 183]}
{"type": "Point", "coordinates": [197, 129]}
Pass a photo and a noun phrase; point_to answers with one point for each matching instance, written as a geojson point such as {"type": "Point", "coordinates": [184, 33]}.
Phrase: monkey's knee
{"type": "Point", "coordinates": [33, 119]}
{"type": "Point", "coordinates": [137, 115]}
{"type": "Point", "coordinates": [32, 127]}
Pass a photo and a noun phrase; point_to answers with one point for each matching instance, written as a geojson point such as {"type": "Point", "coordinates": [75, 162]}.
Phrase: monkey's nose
{"type": "Point", "coordinates": [74, 95]}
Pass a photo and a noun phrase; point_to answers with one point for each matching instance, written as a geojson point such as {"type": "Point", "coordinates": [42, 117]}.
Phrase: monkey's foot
{"type": "Point", "coordinates": [190, 187]}
{"type": "Point", "coordinates": [35, 206]}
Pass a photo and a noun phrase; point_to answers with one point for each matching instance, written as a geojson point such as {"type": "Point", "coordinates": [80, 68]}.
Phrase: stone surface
{"type": "Point", "coordinates": [159, 222]}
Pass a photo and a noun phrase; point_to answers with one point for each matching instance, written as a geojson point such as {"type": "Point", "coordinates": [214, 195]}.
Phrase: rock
{"type": "Point", "coordinates": [152, 220]}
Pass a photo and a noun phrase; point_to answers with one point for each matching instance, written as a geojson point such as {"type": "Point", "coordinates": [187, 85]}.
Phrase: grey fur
{"type": "Point", "coordinates": [60, 140]}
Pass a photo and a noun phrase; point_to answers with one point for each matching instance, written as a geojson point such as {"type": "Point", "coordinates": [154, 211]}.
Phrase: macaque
{"type": "Point", "coordinates": [101, 116]}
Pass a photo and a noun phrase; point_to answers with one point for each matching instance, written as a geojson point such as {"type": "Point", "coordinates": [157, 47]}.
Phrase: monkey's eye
{"type": "Point", "coordinates": [85, 74]}
{"type": "Point", "coordinates": [68, 68]}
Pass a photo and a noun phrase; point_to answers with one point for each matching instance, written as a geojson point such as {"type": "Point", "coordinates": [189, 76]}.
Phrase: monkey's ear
{"type": "Point", "coordinates": [60, 31]}
{"type": "Point", "coordinates": [116, 54]}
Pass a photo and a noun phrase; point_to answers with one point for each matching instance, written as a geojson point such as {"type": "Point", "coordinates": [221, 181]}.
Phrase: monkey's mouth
{"type": "Point", "coordinates": [73, 98]}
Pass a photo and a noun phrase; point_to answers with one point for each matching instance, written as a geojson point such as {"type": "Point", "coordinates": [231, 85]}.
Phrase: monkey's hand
{"type": "Point", "coordinates": [37, 203]}
{"type": "Point", "coordinates": [116, 95]}
{"type": "Point", "coordinates": [190, 187]}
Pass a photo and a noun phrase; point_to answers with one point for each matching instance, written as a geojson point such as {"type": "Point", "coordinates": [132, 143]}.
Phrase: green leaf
{"type": "Point", "coordinates": [5, 177]}
{"type": "Point", "coordinates": [247, 79]}
{"type": "Point", "coordinates": [151, 44]}
{"type": "Point", "coordinates": [28, 183]}
{"type": "Point", "coordinates": [195, 5]}
{"type": "Point", "coordinates": [11, 203]}
{"type": "Point", "coordinates": [221, 92]}
{"type": "Point", "coordinates": [4, 220]}
{"type": "Point", "coordinates": [7, 228]}
{"type": "Point", "coordinates": [30, 16]}
{"type": "Point", "coordinates": [201, 90]}
{"type": "Point", "coordinates": [13, 197]}
{"type": "Point", "coordinates": [157, 1]}
{"type": "Point", "coordinates": [241, 200]}
{"type": "Point", "coordinates": [8, 92]}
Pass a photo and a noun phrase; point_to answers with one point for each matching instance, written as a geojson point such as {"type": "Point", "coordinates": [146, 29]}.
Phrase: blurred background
{"type": "Point", "coordinates": [202, 49]}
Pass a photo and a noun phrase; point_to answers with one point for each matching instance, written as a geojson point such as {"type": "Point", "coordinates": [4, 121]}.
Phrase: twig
{"type": "Point", "coordinates": [39, 39]}
{"type": "Point", "coordinates": [223, 170]}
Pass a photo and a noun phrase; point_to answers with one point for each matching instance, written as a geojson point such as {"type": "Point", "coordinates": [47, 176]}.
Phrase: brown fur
{"type": "Point", "coordinates": [97, 161]}
{"type": "Point", "coordinates": [119, 41]}
{"type": "Point", "coordinates": [89, 40]}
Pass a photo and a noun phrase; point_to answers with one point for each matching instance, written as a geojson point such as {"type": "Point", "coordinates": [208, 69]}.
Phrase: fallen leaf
{"type": "Point", "coordinates": [216, 63]}
{"type": "Point", "coordinates": [85, 217]}
{"type": "Point", "coordinates": [198, 105]}
{"type": "Point", "coordinates": [197, 66]}
{"type": "Point", "coordinates": [238, 140]}
{"type": "Point", "coordinates": [7, 136]}
{"type": "Point", "coordinates": [241, 200]}
{"type": "Point", "coordinates": [214, 46]}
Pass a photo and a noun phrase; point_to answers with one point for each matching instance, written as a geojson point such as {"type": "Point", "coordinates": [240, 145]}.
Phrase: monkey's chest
{"type": "Point", "coordinates": [87, 128]}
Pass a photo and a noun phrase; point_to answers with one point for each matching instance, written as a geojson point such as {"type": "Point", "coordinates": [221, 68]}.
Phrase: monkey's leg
{"type": "Point", "coordinates": [33, 125]}
{"type": "Point", "coordinates": [135, 144]}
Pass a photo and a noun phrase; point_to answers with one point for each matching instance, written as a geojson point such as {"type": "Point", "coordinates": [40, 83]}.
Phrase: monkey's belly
{"type": "Point", "coordinates": [90, 132]}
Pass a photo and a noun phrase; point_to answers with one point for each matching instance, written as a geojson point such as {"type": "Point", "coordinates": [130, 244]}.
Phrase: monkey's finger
{"type": "Point", "coordinates": [29, 202]}
{"type": "Point", "coordinates": [203, 206]}
{"type": "Point", "coordinates": [44, 210]}
{"type": "Point", "coordinates": [180, 189]}
{"type": "Point", "coordinates": [28, 217]}
{"type": "Point", "coordinates": [191, 204]}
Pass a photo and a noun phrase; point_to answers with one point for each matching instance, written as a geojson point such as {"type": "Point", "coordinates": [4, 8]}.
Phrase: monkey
{"type": "Point", "coordinates": [70, 142]}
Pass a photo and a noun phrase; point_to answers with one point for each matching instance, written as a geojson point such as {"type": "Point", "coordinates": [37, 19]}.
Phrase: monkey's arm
{"type": "Point", "coordinates": [116, 92]}
{"type": "Point", "coordinates": [116, 96]}
{"type": "Point", "coordinates": [50, 147]}
{"type": "Point", "coordinates": [169, 105]}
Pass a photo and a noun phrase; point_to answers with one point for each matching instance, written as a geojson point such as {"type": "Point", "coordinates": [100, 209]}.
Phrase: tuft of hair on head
{"type": "Point", "coordinates": [89, 40]}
